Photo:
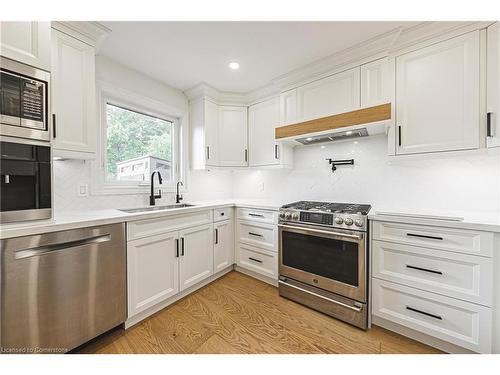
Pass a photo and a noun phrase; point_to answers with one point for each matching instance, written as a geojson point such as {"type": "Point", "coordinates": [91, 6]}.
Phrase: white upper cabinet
{"type": "Point", "coordinates": [204, 119]}
{"type": "Point", "coordinates": [152, 271]}
{"type": "Point", "coordinates": [233, 142]}
{"type": "Point", "coordinates": [288, 107]}
{"type": "Point", "coordinates": [223, 245]}
{"type": "Point", "coordinates": [73, 96]}
{"type": "Point", "coordinates": [375, 83]}
{"type": "Point", "coordinates": [196, 255]}
{"type": "Point", "coordinates": [493, 85]}
{"type": "Point", "coordinates": [26, 42]}
{"type": "Point", "coordinates": [438, 97]}
{"type": "Point", "coordinates": [263, 119]}
{"type": "Point", "coordinates": [328, 96]}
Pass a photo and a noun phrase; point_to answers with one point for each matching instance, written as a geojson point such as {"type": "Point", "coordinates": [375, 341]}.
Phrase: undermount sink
{"type": "Point", "coordinates": [156, 208]}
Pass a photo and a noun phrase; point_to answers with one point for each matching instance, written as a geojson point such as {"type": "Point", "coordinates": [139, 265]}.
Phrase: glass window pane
{"type": "Point", "coordinates": [137, 145]}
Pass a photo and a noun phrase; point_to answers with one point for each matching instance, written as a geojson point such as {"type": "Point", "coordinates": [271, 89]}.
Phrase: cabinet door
{"type": "Point", "coordinates": [152, 271]}
{"type": "Point", "coordinates": [211, 121]}
{"type": "Point", "coordinates": [263, 118]}
{"type": "Point", "coordinates": [288, 107]}
{"type": "Point", "coordinates": [375, 83]}
{"type": "Point", "coordinates": [73, 94]}
{"type": "Point", "coordinates": [197, 255]}
{"type": "Point", "coordinates": [233, 151]}
{"type": "Point", "coordinates": [26, 42]}
{"type": "Point", "coordinates": [223, 245]}
{"type": "Point", "coordinates": [335, 94]}
{"type": "Point", "coordinates": [437, 97]}
{"type": "Point", "coordinates": [493, 85]}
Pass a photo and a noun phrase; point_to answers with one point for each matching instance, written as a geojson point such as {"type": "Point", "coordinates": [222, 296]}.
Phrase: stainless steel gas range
{"type": "Point", "coordinates": [323, 258]}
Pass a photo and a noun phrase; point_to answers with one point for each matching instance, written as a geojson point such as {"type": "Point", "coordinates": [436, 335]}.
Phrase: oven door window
{"type": "Point", "coordinates": [331, 258]}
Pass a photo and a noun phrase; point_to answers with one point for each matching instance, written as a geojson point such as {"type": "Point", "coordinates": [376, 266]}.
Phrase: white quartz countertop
{"type": "Point", "coordinates": [485, 221]}
{"type": "Point", "coordinates": [79, 219]}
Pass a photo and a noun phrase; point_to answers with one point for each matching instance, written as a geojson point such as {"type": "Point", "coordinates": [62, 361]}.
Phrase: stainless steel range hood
{"type": "Point", "coordinates": [335, 136]}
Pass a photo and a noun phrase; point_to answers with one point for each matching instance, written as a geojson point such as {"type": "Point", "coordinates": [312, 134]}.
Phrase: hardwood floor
{"type": "Point", "coordinates": [238, 314]}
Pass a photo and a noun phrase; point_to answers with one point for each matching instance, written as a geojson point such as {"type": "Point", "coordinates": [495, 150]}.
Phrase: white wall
{"type": "Point", "coordinates": [445, 182]}
{"type": "Point", "coordinates": [69, 174]}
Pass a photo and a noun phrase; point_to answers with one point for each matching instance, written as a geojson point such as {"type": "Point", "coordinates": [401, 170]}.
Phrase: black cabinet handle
{"type": "Point", "coordinates": [54, 125]}
{"type": "Point", "coordinates": [182, 246]}
{"type": "Point", "coordinates": [424, 269]}
{"type": "Point", "coordinates": [216, 236]}
{"type": "Point", "coordinates": [255, 260]}
{"type": "Point", "coordinates": [276, 154]}
{"type": "Point", "coordinates": [399, 135]}
{"type": "Point", "coordinates": [424, 313]}
{"type": "Point", "coordinates": [208, 152]}
{"type": "Point", "coordinates": [255, 234]}
{"type": "Point", "coordinates": [424, 236]}
{"type": "Point", "coordinates": [177, 248]}
{"type": "Point", "coordinates": [256, 215]}
{"type": "Point", "coordinates": [488, 124]}
{"type": "Point", "coordinates": [246, 155]}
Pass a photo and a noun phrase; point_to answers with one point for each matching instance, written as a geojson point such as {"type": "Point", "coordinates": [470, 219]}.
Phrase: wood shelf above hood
{"type": "Point", "coordinates": [360, 116]}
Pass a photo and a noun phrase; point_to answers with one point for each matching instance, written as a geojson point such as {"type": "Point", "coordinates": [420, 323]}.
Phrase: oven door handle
{"type": "Point", "coordinates": [354, 236]}
{"type": "Point", "coordinates": [354, 308]}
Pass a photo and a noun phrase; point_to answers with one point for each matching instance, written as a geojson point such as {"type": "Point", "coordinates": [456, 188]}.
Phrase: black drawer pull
{"type": "Point", "coordinates": [424, 269]}
{"type": "Point", "coordinates": [255, 260]}
{"type": "Point", "coordinates": [177, 248]}
{"type": "Point", "coordinates": [182, 246]}
{"type": "Point", "coordinates": [54, 125]}
{"type": "Point", "coordinates": [424, 313]}
{"type": "Point", "coordinates": [488, 125]}
{"type": "Point", "coordinates": [256, 215]}
{"type": "Point", "coordinates": [255, 234]}
{"type": "Point", "coordinates": [424, 236]}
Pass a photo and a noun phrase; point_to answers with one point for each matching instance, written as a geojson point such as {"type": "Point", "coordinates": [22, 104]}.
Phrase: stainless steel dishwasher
{"type": "Point", "coordinates": [61, 289]}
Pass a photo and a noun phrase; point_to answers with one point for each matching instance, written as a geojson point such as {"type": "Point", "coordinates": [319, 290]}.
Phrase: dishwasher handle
{"type": "Point", "coordinates": [41, 250]}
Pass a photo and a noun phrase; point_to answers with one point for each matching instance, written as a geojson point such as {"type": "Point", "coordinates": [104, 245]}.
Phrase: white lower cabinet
{"type": "Point", "coordinates": [223, 245]}
{"type": "Point", "coordinates": [434, 280]}
{"type": "Point", "coordinates": [152, 271]}
{"type": "Point", "coordinates": [166, 256]}
{"type": "Point", "coordinates": [258, 260]}
{"type": "Point", "coordinates": [461, 323]}
{"type": "Point", "coordinates": [196, 255]}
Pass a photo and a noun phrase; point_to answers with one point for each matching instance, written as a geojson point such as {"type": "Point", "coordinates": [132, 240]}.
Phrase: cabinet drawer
{"type": "Point", "coordinates": [263, 216]}
{"type": "Point", "coordinates": [151, 227]}
{"type": "Point", "coordinates": [257, 234]}
{"type": "Point", "coordinates": [258, 260]}
{"type": "Point", "coordinates": [461, 323]}
{"type": "Point", "coordinates": [462, 276]}
{"type": "Point", "coordinates": [449, 239]}
{"type": "Point", "coordinates": [223, 213]}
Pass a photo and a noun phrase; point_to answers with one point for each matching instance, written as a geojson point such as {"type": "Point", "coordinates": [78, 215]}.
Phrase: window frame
{"type": "Point", "coordinates": [108, 94]}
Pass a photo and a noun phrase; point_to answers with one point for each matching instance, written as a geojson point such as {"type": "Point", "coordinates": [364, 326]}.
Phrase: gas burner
{"type": "Point", "coordinates": [344, 208]}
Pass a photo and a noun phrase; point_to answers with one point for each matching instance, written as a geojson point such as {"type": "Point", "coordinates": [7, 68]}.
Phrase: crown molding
{"type": "Point", "coordinates": [391, 43]}
{"type": "Point", "coordinates": [90, 32]}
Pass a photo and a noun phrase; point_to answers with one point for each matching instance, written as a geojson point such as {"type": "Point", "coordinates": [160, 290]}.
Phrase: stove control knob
{"type": "Point", "coordinates": [282, 215]}
{"type": "Point", "coordinates": [339, 220]}
{"type": "Point", "coordinates": [287, 215]}
{"type": "Point", "coordinates": [295, 216]}
{"type": "Point", "coordinates": [358, 222]}
{"type": "Point", "coordinates": [348, 221]}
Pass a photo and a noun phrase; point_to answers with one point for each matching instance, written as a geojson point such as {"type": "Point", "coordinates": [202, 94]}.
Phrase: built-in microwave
{"type": "Point", "coordinates": [26, 183]}
{"type": "Point", "coordinates": [24, 101]}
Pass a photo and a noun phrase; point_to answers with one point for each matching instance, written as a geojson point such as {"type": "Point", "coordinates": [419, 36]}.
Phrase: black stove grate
{"type": "Point", "coordinates": [347, 208]}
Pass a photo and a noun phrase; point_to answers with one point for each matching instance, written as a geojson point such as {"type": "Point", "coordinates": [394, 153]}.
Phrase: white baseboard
{"type": "Point", "coordinates": [160, 306]}
{"type": "Point", "coordinates": [419, 336]}
{"type": "Point", "coordinates": [256, 275]}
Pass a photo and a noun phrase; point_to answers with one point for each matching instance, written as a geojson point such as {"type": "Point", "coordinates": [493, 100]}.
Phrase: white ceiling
{"type": "Point", "coordinates": [184, 54]}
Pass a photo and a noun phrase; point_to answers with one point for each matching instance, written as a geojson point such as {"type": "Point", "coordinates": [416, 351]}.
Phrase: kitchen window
{"type": "Point", "coordinates": [137, 137]}
{"type": "Point", "coordinates": [138, 144]}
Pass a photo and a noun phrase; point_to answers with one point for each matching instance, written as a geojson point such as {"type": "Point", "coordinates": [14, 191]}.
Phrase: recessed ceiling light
{"type": "Point", "coordinates": [234, 65]}
{"type": "Point", "coordinates": [309, 139]}
{"type": "Point", "coordinates": [348, 132]}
